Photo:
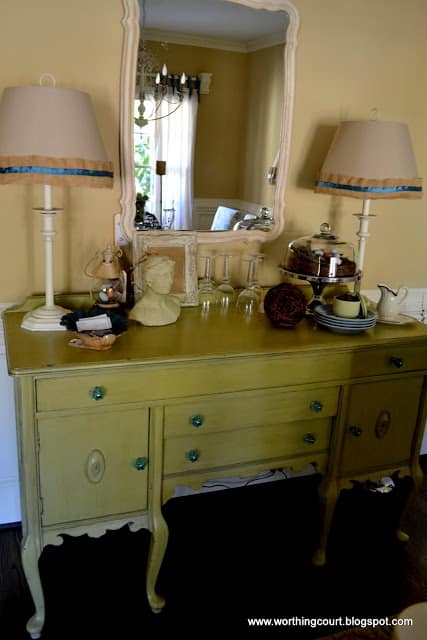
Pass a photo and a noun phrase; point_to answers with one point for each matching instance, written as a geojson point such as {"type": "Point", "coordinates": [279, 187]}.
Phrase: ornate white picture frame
{"type": "Point", "coordinates": [181, 247]}
{"type": "Point", "coordinates": [131, 26]}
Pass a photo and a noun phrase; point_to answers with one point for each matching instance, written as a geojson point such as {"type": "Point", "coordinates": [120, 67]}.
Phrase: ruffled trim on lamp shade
{"type": "Point", "coordinates": [364, 188]}
{"type": "Point", "coordinates": [77, 172]}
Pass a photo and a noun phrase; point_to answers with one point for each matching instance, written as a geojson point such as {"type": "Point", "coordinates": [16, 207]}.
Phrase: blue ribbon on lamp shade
{"type": "Point", "coordinates": [349, 187]}
{"type": "Point", "coordinates": [55, 171]}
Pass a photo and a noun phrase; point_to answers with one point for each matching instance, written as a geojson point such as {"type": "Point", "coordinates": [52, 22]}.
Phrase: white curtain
{"type": "Point", "coordinates": [174, 143]}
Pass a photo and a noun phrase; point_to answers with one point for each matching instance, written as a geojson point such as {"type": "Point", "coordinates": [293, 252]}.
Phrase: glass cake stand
{"type": "Point", "coordinates": [318, 283]}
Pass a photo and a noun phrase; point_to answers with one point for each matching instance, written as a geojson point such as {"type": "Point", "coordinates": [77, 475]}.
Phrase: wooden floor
{"type": "Point", "coordinates": [225, 564]}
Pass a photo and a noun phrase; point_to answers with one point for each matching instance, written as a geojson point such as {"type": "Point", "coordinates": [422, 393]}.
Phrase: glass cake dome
{"type": "Point", "coordinates": [322, 255]}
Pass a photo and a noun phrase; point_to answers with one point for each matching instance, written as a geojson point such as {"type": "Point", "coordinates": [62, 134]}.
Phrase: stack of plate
{"type": "Point", "coordinates": [323, 315]}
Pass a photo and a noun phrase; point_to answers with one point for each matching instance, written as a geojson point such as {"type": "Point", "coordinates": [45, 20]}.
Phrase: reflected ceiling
{"type": "Point", "coordinates": [212, 18]}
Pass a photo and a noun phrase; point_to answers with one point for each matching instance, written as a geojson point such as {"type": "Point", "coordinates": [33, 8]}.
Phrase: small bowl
{"type": "Point", "coordinates": [346, 306]}
{"type": "Point", "coordinates": [98, 343]}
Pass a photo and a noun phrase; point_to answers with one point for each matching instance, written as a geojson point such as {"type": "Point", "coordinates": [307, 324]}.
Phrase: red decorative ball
{"type": "Point", "coordinates": [285, 305]}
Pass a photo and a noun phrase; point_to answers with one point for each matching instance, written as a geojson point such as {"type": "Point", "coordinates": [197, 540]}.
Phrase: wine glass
{"type": "Point", "coordinates": [168, 218]}
{"type": "Point", "coordinates": [250, 297]}
{"type": "Point", "coordinates": [207, 290]}
{"type": "Point", "coordinates": [225, 290]}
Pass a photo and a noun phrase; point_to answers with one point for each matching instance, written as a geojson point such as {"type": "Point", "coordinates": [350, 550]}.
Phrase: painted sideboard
{"type": "Point", "coordinates": [105, 437]}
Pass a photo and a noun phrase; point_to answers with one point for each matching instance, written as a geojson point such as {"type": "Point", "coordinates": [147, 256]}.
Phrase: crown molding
{"type": "Point", "coordinates": [226, 44]}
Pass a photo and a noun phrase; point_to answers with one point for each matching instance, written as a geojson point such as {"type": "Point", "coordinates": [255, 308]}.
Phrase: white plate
{"type": "Point", "coordinates": [343, 330]}
{"type": "Point", "coordinates": [399, 319]}
{"type": "Point", "coordinates": [324, 313]}
{"type": "Point", "coordinates": [344, 323]}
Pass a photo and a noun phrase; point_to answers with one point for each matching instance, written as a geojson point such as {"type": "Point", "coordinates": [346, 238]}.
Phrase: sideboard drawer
{"type": "Point", "coordinates": [86, 391]}
{"type": "Point", "coordinates": [399, 359]}
{"type": "Point", "coordinates": [93, 465]}
{"type": "Point", "coordinates": [196, 452]}
{"type": "Point", "coordinates": [169, 381]}
{"type": "Point", "coordinates": [249, 410]}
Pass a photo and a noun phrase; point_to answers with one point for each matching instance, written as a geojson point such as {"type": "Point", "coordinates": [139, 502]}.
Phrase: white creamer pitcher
{"type": "Point", "coordinates": [389, 303]}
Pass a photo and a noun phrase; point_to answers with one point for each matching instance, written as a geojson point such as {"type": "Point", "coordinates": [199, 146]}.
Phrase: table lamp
{"type": "Point", "coordinates": [369, 160]}
{"type": "Point", "coordinates": [49, 136]}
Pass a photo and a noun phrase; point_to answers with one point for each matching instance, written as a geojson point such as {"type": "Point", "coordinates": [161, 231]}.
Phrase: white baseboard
{"type": "Point", "coordinates": [414, 305]}
{"type": "Point", "coordinates": [9, 482]}
{"type": "Point", "coordinates": [10, 510]}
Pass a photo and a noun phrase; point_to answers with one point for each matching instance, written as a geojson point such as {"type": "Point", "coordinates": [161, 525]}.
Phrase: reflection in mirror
{"type": "Point", "coordinates": [211, 115]}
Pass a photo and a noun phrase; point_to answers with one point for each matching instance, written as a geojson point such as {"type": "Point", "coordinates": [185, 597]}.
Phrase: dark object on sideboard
{"type": "Point", "coordinates": [285, 305]}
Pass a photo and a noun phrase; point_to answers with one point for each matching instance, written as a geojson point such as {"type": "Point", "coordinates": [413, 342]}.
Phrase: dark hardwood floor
{"type": "Point", "coordinates": [232, 555]}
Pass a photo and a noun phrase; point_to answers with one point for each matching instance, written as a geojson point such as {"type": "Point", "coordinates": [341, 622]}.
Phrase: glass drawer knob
{"type": "Point", "coordinates": [97, 393]}
{"type": "Point", "coordinates": [196, 420]}
{"type": "Point", "coordinates": [355, 431]}
{"type": "Point", "coordinates": [316, 406]}
{"type": "Point", "coordinates": [140, 464]}
{"type": "Point", "coordinates": [309, 438]}
{"type": "Point", "coordinates": [396, 362]}
{"type": "Point", "coordinates": [192, 455]}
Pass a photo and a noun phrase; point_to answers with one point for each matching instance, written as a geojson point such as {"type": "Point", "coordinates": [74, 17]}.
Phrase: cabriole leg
{"type": "Point", "coordinates": [158, 544]}
{"type": "Point", "coordinates": [30, 552]}
{"type": "Point", "coordinates": [417, 479]}
{"type": "Point", "coordinates": [328, 493]}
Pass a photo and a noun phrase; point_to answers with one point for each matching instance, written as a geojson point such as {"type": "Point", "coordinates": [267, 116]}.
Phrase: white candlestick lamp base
{"type": "Point", "coordinates": [44, 319]}
{"type": "Point", "coordinates": [47, 317]}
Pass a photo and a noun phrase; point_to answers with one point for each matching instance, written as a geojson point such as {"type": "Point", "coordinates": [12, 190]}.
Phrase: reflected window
{"type": "Point", "coordinates": [164, 140]}
{"type": "Point", "coordinates": [144, 153]}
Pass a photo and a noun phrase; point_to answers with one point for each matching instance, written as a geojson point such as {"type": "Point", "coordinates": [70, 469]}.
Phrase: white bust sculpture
{"type": "Point", "coordinates": [158, 306]}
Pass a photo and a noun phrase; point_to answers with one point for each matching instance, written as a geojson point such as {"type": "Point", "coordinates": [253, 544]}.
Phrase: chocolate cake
{"type": "Point", "coordinates": [319, 262]}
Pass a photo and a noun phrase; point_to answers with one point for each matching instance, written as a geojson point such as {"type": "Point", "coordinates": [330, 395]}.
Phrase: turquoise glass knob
{"type": "Point", "coordinates": [355, 431]}
{"type": "Point", "coordinates": [192, 455]}
{"type": "Point", "coordinates": [309, 438]}
{"type": "Point", "coordinates": [396, 362]}
{"type": "Point", "coordinates": [196, 420]}
{"type": "Point", "coordinates": [140, 464]}
{"type": "Point", "coordinates": [98, 393]}
{"type": "Point", "coordinates": [316, 406]}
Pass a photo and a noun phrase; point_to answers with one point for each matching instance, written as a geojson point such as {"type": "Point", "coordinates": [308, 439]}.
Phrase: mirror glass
{"type": "Point", "coordinates": [209, 112]}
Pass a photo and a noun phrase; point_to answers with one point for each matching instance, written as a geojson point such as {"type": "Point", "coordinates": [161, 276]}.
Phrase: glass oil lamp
{"type": "Point", "coordinates": [109, 287]}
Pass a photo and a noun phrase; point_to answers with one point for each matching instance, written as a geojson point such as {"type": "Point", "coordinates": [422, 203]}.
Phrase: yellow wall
{"type": "Point", "coordinates": [238, 122]}
{"type": "Point", "coordinates": [263, 123]}
{"type": "Point", "coordinates": [352, 56]}
{"type": "Point", "coordinates": [220, 117]}
{"type": "Point", "coordinates": [79, 42]}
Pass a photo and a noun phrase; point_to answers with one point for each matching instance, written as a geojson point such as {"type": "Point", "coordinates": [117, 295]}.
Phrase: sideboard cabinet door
{"type": "Point", "coordinates": [93, 465]}
{"type": "Point", "coordinates": [380, 424]}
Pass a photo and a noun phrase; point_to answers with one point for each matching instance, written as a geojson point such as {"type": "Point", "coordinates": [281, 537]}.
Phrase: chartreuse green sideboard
{"type": "Point", "coordinates": [104, 437]}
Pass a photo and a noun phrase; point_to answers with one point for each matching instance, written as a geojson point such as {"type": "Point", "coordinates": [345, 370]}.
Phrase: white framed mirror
{"type": "Point", "coordinates": [247, 181]}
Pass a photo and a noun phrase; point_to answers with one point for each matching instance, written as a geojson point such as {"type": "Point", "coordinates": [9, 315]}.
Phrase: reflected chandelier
{"type": "Point", "coordinates": [158, 86]}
